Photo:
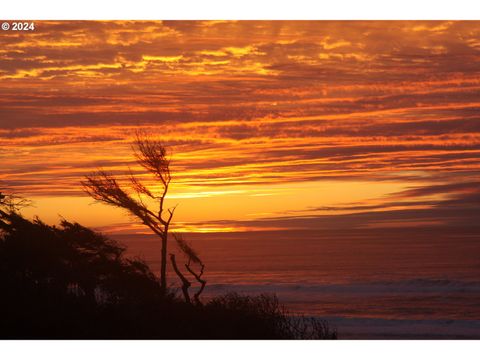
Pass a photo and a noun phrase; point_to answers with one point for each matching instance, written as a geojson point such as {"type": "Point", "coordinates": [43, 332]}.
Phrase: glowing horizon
{"type": "Point", "coordinates": [269, 122]}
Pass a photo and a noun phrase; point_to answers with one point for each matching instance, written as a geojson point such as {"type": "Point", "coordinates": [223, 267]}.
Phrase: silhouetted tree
{"type": "Point", "coordinates": [104, 187]}
{"type": "Point", "coordinates": [12, 202]}
{"type": "Point", "coordinates": [70, 259]}
{"type": "Point", "coordinates": [192, 259]}
{"type": "Point", "coordinates": [185, 283]}
{"type": "Point", "coordinates": [69, 282]}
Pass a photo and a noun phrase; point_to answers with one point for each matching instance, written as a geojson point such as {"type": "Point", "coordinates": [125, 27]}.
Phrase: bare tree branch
{"type": "Point", "coordinates": [197, 277]}
{"type": "Point", "coordinates": [171, 211]}
{"type": "Point", "coordinates": [185, 283]}
{"type": "Point", "coordinates": [192, 256]}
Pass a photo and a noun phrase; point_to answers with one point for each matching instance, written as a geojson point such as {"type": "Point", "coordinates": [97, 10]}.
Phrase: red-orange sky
{"type": "Point", "coordinates": [272, 124]}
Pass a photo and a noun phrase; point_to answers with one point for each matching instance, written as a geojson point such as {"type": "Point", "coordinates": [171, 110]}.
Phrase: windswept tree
{"type": "Point", "coordinates": [11, 203]}
{"type": "Point", "coordinates": [153, 156]}
{"type": "Point", "coordinates": [193, 265]}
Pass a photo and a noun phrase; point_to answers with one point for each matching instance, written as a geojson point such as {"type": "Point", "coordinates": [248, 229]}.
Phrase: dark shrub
{"type": "Point", "coordinates": [69, 282]}
{"type": "Point", "coordinates": [262, 317]}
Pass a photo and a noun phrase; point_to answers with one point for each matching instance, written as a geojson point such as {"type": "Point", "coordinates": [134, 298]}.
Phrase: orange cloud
{"type": "Point", "coordinates": [244, 105]}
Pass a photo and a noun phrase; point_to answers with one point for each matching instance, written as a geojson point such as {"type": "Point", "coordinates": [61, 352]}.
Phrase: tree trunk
{"type": "Point", "coordinates": [185, 283]}
{"type": "Point", "coordinates": [202, 282]}
{"type": "Point", "coordinates": [163, 269]}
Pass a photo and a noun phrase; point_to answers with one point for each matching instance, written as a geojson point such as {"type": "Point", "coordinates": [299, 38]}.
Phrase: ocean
{"type": "Point", "coordinates": [368, 285]}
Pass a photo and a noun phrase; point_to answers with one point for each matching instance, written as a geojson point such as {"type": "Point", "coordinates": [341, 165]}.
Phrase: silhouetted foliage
{"type": "Point", "coordinates": [12, 202]}
{"type": "Point", "coordinates": [70, 259]}
{"type": "Point", "coordinates": [265, 318]}
{"type": "Point", "coordinates": [69, 282]}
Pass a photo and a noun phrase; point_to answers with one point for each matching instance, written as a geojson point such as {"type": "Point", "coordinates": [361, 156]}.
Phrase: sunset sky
{"type": "Point", "coordinates": [272, 125]}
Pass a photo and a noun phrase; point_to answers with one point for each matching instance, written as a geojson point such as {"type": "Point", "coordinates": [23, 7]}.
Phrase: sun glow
{"type": "Point", "coordinates": [264, 120]}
